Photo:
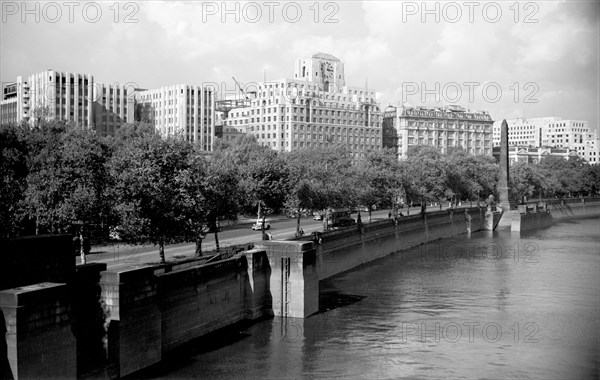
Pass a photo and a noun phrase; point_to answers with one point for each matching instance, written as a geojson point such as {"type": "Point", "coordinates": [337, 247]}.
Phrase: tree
{"type": "Point", "coordinates": [86, 182]}
{"type": "Point", "coordinates": [469, 175]}
{"type": "Point", "coordinates": [218, 186]}
{"type": "Point", "coordinates": [378, 175]}
{"type": "Point", "coordinates": [524, 181]}
{"type": "Point", "coordinates": [427, 176]}
{"type": "Point", "coordinates": [303, 194]}
{"type": "Point", "coordinates": [68, 180]}
{"type": "Point", "coordinates": [590, 179]}
{"type": "Point", "coordinates": [132, 130]}
{"type": "Point", "coordinates": [335, 177]}
{"type": "Point", "coordinates": [13, 176]}
{"type": "Point", "coordinates": [265, 182]}
{"type": "Point", "coordinates": [44, 190]}
{"type": "Point", "coordinates": [153, 190]}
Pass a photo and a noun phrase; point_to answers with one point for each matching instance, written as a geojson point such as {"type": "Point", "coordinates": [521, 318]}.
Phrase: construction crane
{"type": "Point", "coordinates": [226, 105]}
{"type": "Point", "coordinates": [240, 87]}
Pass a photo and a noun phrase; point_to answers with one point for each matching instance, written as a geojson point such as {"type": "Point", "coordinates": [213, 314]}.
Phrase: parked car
{"type": "Point", "coordinates": [258, 225]}
{"type": "Point", "coordinates": [318, 217]}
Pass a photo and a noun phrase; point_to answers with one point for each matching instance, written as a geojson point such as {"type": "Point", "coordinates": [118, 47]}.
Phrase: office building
{"type": "Point", "coordinates": [113, 105]}
{"type": "Point", "coordinates": [313, 109]}
{"type": "Point", "coordinates": [534, 155]}
{"type": "Point", "coordinates": [552, 132]}
{"type": "Point", "coordinates": [179, 110]}
{"type": "Point", "coordinates": [49, 95]}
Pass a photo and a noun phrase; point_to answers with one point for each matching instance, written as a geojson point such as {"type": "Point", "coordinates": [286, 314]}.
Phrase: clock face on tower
{"type": "Point", "coordinates": [327, 69]}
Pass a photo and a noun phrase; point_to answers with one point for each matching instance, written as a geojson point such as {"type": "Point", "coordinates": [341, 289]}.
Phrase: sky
{"type": "Point", "coordinates": [510, 58]}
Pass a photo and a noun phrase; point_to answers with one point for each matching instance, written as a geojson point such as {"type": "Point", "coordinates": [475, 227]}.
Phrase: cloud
{"type": "Point", "coordinates": [178, 42]}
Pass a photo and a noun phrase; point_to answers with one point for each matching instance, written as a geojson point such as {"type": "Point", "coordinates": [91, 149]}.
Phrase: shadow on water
{"type": "Point", "coordinates": [331, 300]}
{"type": "Point", "coordinates": [184, 355]}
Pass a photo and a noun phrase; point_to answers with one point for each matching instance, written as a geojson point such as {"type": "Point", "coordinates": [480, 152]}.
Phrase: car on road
{"type": "Point", "coordinates": [258, 225]}
{"type": "Point", "coordinates": [318, 217]}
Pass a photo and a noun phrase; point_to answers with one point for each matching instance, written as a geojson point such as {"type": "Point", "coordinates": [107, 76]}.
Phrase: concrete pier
{"type": "Point", "coordinates": [293, 281]}
{"type": "Point", "coordinates": [39, 341]}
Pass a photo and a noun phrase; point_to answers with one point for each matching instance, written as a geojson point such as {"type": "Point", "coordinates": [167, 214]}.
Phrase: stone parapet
{"type": "Point", "coordinates": [39, 341]}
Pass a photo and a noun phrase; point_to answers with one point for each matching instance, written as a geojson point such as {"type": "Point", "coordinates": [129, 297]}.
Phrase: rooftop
{"type": "Point", "coordinates": [325, 56]}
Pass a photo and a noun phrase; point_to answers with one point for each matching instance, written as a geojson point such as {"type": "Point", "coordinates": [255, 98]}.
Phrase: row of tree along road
{"type": "Point", "coordinates": [61, 178]}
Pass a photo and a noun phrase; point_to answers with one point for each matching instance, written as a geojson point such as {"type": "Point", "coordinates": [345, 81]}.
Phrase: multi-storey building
{"type": "Point", "coordinates": [314, 109]}
{"type": "Point", "coordinates": [442, 128]}
{"type": "Point", "coordinates": [54, 95]}
{"type": "Point", "coordinates": [552, 132]}
{"type": "Point", "coordinates": [8, 104]}
{"type": "Point", "coordinates": [225, 132]}
{"type": "Point", "coordinates": [182, 110]}
{"type": "Point", "coordinates": [51, 95]}
{"type": "Point", "coordinates": [113, 105]}
{"type": "Point", "coordinates": [534, 155]}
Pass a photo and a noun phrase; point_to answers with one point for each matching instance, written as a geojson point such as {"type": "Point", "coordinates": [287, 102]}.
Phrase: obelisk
{"type": "Point", "coordinates": [503, 182]}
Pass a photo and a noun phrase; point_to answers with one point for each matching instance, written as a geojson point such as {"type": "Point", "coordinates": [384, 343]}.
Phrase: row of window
{"type": "Point", "coordinates": [319, 128]}
{"type": "Point", "coordinates": [450, 142]}
{"type": "Point", "coordinates": [469, 134]}
{"type": "Point", "coordinates": [452, 125]}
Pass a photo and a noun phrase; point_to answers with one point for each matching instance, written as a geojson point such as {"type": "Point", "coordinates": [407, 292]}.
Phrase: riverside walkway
{"type": "Point", "coordinates": [238, 234]}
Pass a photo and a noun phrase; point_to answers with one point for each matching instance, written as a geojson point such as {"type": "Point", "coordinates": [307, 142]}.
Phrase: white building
{"type": "Point", "coordinates": [443, 128]}
{"type": "Point", "coordinates": [314, 109]}
{"type": "Point", "coordinates": [183, 110]}
{"type": "Point", "coordinates": [552, 132]}
{"type": "Point", "coordinates": [51, 95]}
{"type": "Point", "coordinates": [113, 105]}
{"type": "Point", "coordinates": [533, 155]}
{"type": "Point", "coordinates": [55, 95]}
{"type": "Point", "coordinates": [8, 104]}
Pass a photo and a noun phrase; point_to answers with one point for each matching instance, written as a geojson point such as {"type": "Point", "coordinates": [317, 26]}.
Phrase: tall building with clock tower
{"type": "Point", "coordinates": [321, 68]}
{"type": "Point", "coordinates": [314, 109]}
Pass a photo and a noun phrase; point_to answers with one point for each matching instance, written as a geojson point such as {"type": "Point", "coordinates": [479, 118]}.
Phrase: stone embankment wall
{"type": "Point", "coordinates": [342, 250]}
{"type": "Point", "coordinates": [574, 208]}
{"type": "Point", "coordinates": [113, 323]}
{"type": "Point", "coordinates": [536, 215]}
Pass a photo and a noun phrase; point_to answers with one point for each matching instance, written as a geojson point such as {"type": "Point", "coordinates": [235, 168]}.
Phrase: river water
{"type": "Point", "coordinates": [491, 305]}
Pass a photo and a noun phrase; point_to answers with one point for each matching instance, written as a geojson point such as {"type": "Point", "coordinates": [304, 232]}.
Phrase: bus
{"type": "Point", "coordinates": [339, 217]}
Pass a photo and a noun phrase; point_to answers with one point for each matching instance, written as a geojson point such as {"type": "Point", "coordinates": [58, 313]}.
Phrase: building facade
{"type": "Point", "coordinates": [55, 95]}
{"type": "Point", "coordinates": [183, 110]}
{"type": "Point", "coordinates": [533, 155]}
{"type": "Point", "coordinates": [8, 104]}
{"type": "Point", "coordinates": [180, 110]}
{"type": "Point", "coordinates": [552, 132]}
{"type": "Point", "coordinates": [50, 95]}
{"type": "Point", "coordinates": [442, 128]}
{"type": "Point", "coordinates": [113, 105]}
{"type": "Point", "coordinates": [314, 109]}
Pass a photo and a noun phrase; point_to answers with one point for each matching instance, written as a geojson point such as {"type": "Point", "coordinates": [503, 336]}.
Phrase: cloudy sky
{"type": "Point", "coordinates": [529, 58]}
